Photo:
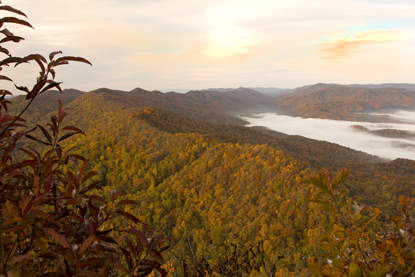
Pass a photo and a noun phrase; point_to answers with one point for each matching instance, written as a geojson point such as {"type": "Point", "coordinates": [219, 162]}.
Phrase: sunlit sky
{"type": "Point", "coordinates": [199, 44]}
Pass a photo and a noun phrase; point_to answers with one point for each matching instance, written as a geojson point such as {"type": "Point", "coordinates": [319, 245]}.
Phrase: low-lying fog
{"type": "Point", "coordinates": [342, 132]}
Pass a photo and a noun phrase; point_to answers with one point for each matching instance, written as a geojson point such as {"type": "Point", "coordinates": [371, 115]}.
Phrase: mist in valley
{"type": "Point", "coordinates": [343, 133]}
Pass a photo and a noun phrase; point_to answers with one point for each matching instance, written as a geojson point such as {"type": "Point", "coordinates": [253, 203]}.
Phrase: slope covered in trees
{"type": "Point", "coordinates": [47, 104]}
{"type": "Point", "coordinates": [209, 185]}
{"type": "Point", "coordinates": [343, 103]}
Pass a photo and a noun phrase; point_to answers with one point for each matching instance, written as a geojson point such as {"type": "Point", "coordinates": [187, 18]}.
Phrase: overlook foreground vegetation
{"type": "Point", "coordinates": [173, 184]}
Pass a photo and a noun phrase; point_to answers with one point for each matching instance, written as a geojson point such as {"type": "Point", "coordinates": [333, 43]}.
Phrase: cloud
{"type": "Point", "coordinates": [344, 47]}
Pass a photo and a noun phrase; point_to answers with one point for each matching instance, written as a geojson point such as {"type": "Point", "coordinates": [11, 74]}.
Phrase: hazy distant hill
{"type": "Point", "coordinates": [210, 106]}
{"type": "Point", "coordinates": [320, 86]}
{"type": "Point", "coordinates": [271, 90]}
{"type": "Point", "coordinates": [410, 87]}
{"type": "Point", "coordinates": [309, 88]}
{"type": "Point", "coordinates": [341, 103]}
{"type": "Point", "coordinates": [46, 102]}
{"type": "Point", "coordinates": [231, 99]}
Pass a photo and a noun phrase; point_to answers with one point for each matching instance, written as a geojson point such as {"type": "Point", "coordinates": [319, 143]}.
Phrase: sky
{"type": "Point", "coordinates": [182, 45]}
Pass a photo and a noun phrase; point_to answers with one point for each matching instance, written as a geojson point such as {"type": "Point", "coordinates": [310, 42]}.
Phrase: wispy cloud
{"type": "Point", "coordinates": [347, 46]}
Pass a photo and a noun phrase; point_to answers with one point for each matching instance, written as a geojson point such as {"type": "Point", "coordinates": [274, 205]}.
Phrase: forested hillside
{"type": "Point", "coordinates": [209, 185]}
{"type": "Point", "coordinates": [345, 103]}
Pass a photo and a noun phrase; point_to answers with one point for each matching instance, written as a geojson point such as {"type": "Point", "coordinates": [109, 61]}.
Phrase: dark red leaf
{"type": "Point", "coordinates": [75, 158]}
{"type": "Point", "coordinates": [7, 33]}
{"type": "Point", "coordinates": [145, 272]}
{"type": "Point", "coordinates": [36, 89]}
{"type": "Point", "coordinates": [102, 262]}
{"type": "Point", "coordinates": [52, 55]}
{"type": "Point", "coordinates": [13, 38]}
{"type": "Point", "coordinates": [68, 135]}
{"type": "Point", "coordinates": [19, 259]}
{"type": "Point", "coordinates": [55, 64]}
{"type": "Point", "coordinates": [99, 198]}
{"type": "Point", "coordinates": [114, 194]}
{"type": "Point", "coordinates": [72, 177]}
{"type": "Point", "coordinates": [36, 152]}
{"type": "Point", "coordinates": [59, 151]}
{"type": "Point", "coordinates": [127, 256]}
{"type": "Point", "coordinates": [60, 238]}
{"type": "Point", "coordinates": [85, 245]}
{"type": "Point", "coordinates": [71, 128]}
{"type": "Point", "coordinates": [69, 58]}
{"type": "Point", "coordinates": [126, 202]}
{"type": "Point", "coordinates": [89, 176]}
{"type": "Point", "coordinates": [139, 235]}
{"type": "Point", "coordinates": [52, 85]}
{"type": "Point", "coordinates": [23, 89]}
{"type": "Point", "coordinates": [53, 73]}
{"type": "Point", "coordinates": [5, 51]}
{"type": "Point", "coordinates": [107, 239]}
{"type": "Point", "coordinates": [94, 185]}
{"type": "Point", "coordinates": [46, 133]}
{"type": "Point", "coordinates": [31, 163]}
{"type": "Point", "coordinates": [36, 57]}
{"type": "Point", "coordinates": [27, 204]}
{"type": "Point", "coordinates": [77, 217]}
{"type": "Point", "coordinates": [9, 60]}
{"type": "Point", "coordinates": [155, 254]}
{"type": "Point", "coordinates": [5, 92]}
{"type": "Point", "coordinates": [11, 9]}
{"type": "Point", "coordinates": [38, 140]}
{"type": "Point", "coordinates": [73, 201]}
{"type": "Point", "coordinates": [2, 77]}
{"type": "Point", "coordinates": [16, 20]}
{"type": "Point", "coordinates": [82, 170]}
{"type": "Point", "coordinates": [43, 215]}
{"type": "Point", "coordinates": [61, 112]}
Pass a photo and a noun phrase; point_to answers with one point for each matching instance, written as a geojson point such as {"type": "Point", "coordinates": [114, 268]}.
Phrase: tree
{"type": "Point", "coordinates": [52, 223]}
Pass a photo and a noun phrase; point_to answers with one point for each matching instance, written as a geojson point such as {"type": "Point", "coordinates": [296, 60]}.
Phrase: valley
{"type": "Point", "coordinates": [205, 179]}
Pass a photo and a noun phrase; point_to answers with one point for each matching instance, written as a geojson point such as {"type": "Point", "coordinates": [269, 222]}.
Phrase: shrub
{"type": "Point", "coordinates": [51, 222]}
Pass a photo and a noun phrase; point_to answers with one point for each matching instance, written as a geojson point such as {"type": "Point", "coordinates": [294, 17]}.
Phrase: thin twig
{"type": "Point", "coordinates": [21, 113]}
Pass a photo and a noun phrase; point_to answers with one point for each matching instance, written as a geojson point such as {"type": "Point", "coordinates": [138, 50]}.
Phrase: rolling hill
{"type": "Point", "coordinates": [344, 103]}
{"type": "Point", "coordinates": [206, 180]}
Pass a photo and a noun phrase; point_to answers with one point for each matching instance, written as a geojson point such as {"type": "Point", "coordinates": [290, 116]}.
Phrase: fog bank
{"type": "Point", "coordinates": [342, 133]}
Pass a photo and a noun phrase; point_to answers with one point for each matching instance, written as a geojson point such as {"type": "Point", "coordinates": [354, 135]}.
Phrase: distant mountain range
{"type": "Point", "coordinates": [344, 103]}
{"type": "Point", "coordinates": [335, 101]}
{"type": "Point", "coordinates": [223, 105]}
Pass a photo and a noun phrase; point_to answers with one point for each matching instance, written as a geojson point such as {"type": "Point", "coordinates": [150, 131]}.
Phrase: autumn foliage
{"type": "Point", "coordinates": [52, 221]}
{"type": "Point", "coordinates": [353, 249]}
